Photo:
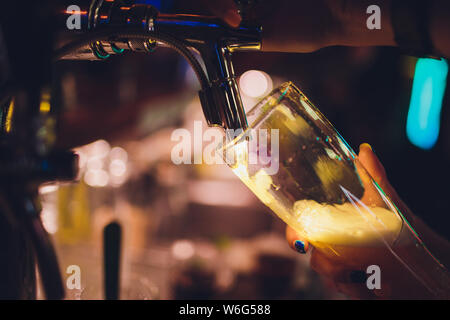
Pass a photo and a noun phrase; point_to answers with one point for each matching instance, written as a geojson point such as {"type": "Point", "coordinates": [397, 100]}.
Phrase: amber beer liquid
{"type": "Point", "coordinates": [365, 237]}
{"type": "Point", "coordinates": [326, 195]}
{"type": "Point", "coordinates": [356, 238]}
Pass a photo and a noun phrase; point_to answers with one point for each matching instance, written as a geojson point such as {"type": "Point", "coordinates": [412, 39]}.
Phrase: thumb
{"type": "Point", "coordinates": [372, 164]}
{"type": "Point", "coordinates": [375, 168]}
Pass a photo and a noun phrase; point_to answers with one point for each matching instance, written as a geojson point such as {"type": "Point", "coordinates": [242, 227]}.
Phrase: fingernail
{"type": "Point", "coordinates": [233, 18]}
{"type": "Point", "coordinates": [358, 276]}
{"type": "Point", "coordinates": [300, 246]}
{"type": "Point", "coordinates": [366, 145]}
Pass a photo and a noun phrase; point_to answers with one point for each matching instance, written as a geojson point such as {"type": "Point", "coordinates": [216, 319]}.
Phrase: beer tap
{"type": "Point", "coordinates": [111, 27]}
{"type": "Point", "coordinates": [89, 30]}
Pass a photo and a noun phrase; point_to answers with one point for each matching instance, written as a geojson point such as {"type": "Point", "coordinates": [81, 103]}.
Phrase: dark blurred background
{"type": "Point", "coordinates": [195, 231]}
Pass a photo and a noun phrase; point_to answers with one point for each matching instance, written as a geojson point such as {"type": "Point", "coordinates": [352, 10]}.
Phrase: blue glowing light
{"type": "Point", "coordinates": [423, 123]}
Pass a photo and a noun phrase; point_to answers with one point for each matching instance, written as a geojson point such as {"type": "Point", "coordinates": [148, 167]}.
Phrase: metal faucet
{"type": "Point", "coordinates": [28, 157]}
{"type": "Point", "coordinates": [209, 36]}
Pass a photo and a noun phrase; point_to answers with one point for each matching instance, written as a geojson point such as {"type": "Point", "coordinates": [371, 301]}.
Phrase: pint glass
{"type": "Point", "coordinates": [313, 181]}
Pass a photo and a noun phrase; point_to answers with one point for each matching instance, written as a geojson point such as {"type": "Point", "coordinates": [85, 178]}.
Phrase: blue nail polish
{"type": "Point", "coordinates": [299, 246]}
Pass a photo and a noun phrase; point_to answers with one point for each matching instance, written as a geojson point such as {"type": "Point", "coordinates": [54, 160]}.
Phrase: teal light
{"type": "Point", "coordinates": [423, 123]}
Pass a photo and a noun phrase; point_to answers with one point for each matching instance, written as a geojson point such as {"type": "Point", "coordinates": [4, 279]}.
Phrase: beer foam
{"type": "Point", "coordinates": [346, 224]}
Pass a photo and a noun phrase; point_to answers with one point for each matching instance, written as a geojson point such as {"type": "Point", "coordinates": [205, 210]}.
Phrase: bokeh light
{"type": "Point", "coordinates": [255, 84]}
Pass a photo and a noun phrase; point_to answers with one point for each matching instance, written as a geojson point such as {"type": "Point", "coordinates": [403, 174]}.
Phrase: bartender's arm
{"type": "Point", "coordinates": [305, 26]}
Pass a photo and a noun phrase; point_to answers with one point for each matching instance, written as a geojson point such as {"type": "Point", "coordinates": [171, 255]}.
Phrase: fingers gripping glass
{"type": "Point", "coordinates": [315, 183]}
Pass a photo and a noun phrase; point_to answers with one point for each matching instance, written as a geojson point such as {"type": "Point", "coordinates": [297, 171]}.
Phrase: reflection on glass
{"type": "Point", "coordinates": [322, 191]}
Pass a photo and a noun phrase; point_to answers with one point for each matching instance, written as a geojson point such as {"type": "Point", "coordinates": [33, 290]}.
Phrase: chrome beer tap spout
{"type": "Point", "coordinates": [125, 25]}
